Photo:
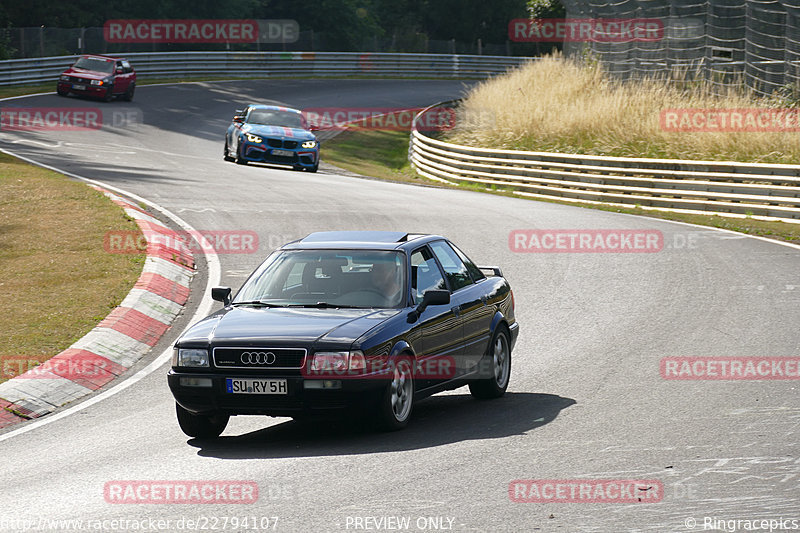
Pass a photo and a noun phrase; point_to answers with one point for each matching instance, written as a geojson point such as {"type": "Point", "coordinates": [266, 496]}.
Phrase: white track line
{"type": "Point", "coordinates": [214, 277]}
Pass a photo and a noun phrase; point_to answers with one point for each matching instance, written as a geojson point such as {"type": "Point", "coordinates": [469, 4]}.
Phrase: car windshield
{"type": "Point", "coordinates": [328, 278]}
{"type": "Point", "coordinates": [95, 64]}
{"type": "Point", "coordinates": [273, 117]}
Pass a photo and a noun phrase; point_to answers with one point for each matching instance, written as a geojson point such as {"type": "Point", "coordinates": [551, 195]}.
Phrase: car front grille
{"type": "Point", "coordinates": [279, 143]}
{"type": "Point", "coordinates": [260, 358]}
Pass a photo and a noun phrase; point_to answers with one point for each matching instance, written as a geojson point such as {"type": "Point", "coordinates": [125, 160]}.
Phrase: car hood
{"type": "Point", "coordinates": [88, 74]}
{"type": "Point", "coordinates": [279, 132]}
{"type": "Point", "coordinates": [296, 326]}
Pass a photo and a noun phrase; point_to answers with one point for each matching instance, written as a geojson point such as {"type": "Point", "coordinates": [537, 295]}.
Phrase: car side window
{"type": "Point", "coordinates": [454, 268]}
{"type": "Point", "coordinates": [425, 274]}
{"type": "Point", "coordinates": [126, 67]}
{"type": "Point", "coordinates": [472, 268]}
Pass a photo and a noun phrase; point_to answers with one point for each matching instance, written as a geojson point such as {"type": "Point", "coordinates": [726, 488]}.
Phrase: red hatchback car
{"type": "Point", "coordinates": [99, 76]}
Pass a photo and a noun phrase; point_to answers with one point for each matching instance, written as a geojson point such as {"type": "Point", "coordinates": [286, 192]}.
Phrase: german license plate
{"type": "Point", "coordinates": [256, 386]}
{"type": "Point", "coordinates": [79, 87]}
{"type": "Point", "coordinates": [282, 153]}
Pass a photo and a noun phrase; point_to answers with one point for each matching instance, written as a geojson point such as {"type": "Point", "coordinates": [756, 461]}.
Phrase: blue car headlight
{"type": "Point", "coordinates": [310, 144]}
{"type": "Point", "coordinates": [253, 138]}
{"type": "Point", "coordinates": [190, 357]}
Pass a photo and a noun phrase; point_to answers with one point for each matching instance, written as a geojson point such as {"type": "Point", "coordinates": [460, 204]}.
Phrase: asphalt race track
{"type": "Point", "coordinates": [587, 399]}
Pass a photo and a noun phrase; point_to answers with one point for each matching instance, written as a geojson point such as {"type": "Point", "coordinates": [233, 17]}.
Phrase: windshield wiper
{"type": "Point", "coordinates": [258, 302]}
{"type": "Point", "coordinates": [326, 305]}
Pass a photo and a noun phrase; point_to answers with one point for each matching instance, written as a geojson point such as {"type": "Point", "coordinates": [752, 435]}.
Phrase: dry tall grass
{"type": "Point", "coordinates": [558, 105]}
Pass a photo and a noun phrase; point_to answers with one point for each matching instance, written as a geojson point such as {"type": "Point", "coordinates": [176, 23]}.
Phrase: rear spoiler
{"type": "Point", "coordinates": [493, 269]}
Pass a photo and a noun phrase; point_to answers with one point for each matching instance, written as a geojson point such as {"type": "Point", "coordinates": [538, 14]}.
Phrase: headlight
{"type": "Point", "coordinates": [337, 362]}
{"type": "Point", "coordinates": [310, 144]}
{"type": "Point", "coordinates": [64, 77]}
{"type": "Point", "coordinates": [253, 138]}
{"type": "Point", "coordinates": [190, 357]}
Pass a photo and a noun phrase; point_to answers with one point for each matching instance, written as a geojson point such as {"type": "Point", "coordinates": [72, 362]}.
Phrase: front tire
{"type": "Point", "coordinates": [201, 426]}
{"type": "Point", "coordinates": [109, 94]}
{"type": "Point", "coordinates": [499, 358]}
{"type": "Point", "coordinates": [61, 92]}
{"type": "Point", "coordinates": [397, 401]}
{"type": "Point", "coordinates": [239, 160]}
{"type": "Point", "coordinates": [128, 96]}
{"type": "Point", "coordinates": [226, 154]}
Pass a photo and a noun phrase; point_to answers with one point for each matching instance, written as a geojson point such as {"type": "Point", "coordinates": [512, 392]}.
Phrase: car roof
{"type": "Point", "coordinates": [274, 108]}
{"type": "Point", "coordinates": [368, 240]}
{"type": "Point", "coordinates": [99, 56]}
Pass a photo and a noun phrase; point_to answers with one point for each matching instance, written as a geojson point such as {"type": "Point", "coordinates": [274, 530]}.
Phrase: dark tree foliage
{"type": "Point", "coordinates": [345, 24]}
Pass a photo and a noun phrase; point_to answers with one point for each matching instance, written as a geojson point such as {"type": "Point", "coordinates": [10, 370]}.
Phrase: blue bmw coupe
{"type": "Point", "coordinates": [272, 135]}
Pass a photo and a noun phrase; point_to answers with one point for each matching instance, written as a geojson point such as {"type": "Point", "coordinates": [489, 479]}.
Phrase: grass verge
{"type": "Point", "coordinates": [384, 155]}
{"type": "Point", "coordinates": [560, 105]}
{"type": "Point", "coordinates": [381, 154]}
{"type": "Point", "coordinates": [58, 279]}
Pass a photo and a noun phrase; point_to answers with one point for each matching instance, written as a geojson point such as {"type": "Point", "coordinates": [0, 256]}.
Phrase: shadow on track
{"type": "Point", "coordinates": [435, 421]}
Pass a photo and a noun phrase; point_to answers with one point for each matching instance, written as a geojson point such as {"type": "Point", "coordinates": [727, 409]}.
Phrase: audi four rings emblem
{"type": "Point", "coordinates": [257, 358]}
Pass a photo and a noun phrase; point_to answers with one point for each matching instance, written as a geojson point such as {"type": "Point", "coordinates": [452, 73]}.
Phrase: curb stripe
{"type": "Point", "coordinates": [166, 288]}
{"type": "Point", "coordinates": [84, 368]}
{"type": "Point", "coordinates": [135, 325]}
{"type": "Point", "coordinates": [120, 339]}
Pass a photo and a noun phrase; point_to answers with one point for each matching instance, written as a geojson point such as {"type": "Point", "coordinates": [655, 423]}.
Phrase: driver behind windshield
{"type": "Point", "coordinates": [385, 278]}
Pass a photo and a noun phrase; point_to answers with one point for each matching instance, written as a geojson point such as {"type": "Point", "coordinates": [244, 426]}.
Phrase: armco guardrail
{"type": "Point", "coordinates": [716, 187]}
{"type": "Point", "coordinates": [273, 64]}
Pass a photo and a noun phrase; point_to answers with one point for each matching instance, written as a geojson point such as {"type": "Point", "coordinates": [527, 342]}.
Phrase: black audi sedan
{"type": "Point", "coordinates": [367, 321]}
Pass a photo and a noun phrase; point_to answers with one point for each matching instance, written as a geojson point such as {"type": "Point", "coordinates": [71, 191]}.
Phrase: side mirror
{"type": "Point", "coordinates": [119, 70]}
{"type": "Point", "coordinates": [431, 297]}
{"type": "Point", "coordinates": [221, 294]}
{"type": "Point", "coordinates": [238, 118]}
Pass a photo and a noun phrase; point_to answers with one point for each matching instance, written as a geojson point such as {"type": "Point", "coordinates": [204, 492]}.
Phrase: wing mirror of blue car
{"type": "Point", "coordinates": [431, 297]}
{"type": "Point", "coordinates": [238, 118]}
{"type": "Point", "coordinates": [221, 294]}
